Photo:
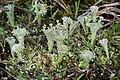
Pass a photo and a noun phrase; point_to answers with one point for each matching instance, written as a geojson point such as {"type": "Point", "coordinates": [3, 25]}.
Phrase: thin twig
{"type": "Point", "coordinates": [109, 5]}
{"type": "Point", "coordinates": [24, 9]}
{"type": "Point", "coordinates": [97, 2]}
{"type": "Point", "coordinates": [62, 5]}
{"type": "Point", "coordinates": [9, 73]}
{"type": "Point", "coordinates": [107, 24]}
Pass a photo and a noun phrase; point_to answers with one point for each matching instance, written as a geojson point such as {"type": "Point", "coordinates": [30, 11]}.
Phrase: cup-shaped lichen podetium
{"type": "Point", "coordinates": [62, 49]}
{"type": "Point", "coordinates": [39, 9]}
{"type": "Point", "coordinates": [18, 48]}
{"type": "Point", "coordinates": [104, 43]}
{"type": "Point", "coordinates": [81, 19]}
{"type": "Point", "coordinates": [87, 55]}
{"type": "Point", "coordinates": [10, 14]}
{"type": "Point", "coordinates": [49, 32]}
{"type": "Point", "coordinates": [94, 10]}
{"type": "Point", "coordinates": [94, 27]}
{"type": "Point", "coordinates": [69, 26]}
{"type": "Point", "coordinates": [20, 33]}
{"type": "Point", "coordinates": [11, 41]}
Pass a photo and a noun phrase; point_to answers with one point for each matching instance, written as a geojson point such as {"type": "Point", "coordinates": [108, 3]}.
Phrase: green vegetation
{"type": "Point", "coordinates": [59, 40]}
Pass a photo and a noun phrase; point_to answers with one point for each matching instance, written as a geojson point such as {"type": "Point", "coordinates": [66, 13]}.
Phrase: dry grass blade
{"type": "Point", "coordinates": [62, 4]}
{"type": "Point", "coordinates": [108, 9]}
{"type": "Point", "coordinates": [7, 1]}
{"type": "Point", "coordinates": [112, 4]}
{"type": "Point", "coordinates": [9, 74]}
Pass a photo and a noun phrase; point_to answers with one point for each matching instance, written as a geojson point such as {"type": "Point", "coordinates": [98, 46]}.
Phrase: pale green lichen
{"type": "Point", "coordinates": [94, 27]}
{"type": "Point", "coordinates": [81, 19]}
{"type": "Point", "coordinates": [11, 41]}
{"type": "Point", "coordinates": [59, 33]}
{"type": "Point", "coordinates": [19, 33]}
{"type": "Point", "coordinates": [94, 10]}
{"type": "Point", "coordinates": [104, 43]}
{"type": "Point", "coordinates": [10, 14]}
{"type": "Point", "coordinates": [87, 55]}
{"type": "Point", "coordinates": [40, 10]}
{"type": "Point", "coordinates": [91, 21]}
